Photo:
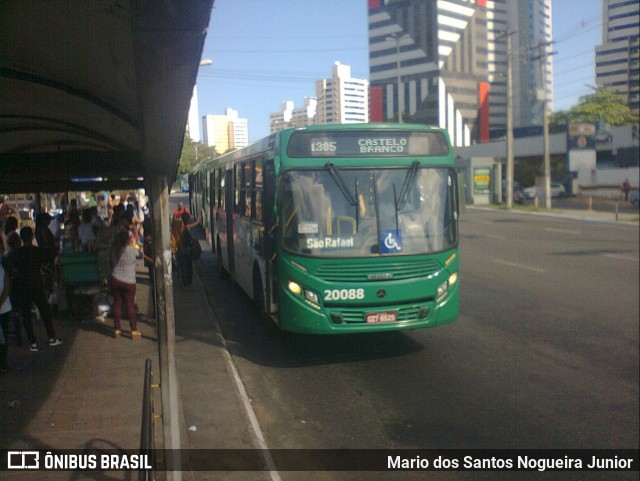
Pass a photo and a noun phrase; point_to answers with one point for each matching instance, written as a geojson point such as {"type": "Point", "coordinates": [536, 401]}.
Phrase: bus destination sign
{"type": "Point", "coordinates": [366, 144]}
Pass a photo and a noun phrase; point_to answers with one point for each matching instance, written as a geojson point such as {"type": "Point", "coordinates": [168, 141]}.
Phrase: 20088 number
{"type": "Point", "coordinates": [343, 294]}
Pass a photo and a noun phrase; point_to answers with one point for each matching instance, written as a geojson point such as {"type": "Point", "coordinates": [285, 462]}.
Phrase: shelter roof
{"type": "Point", "coordinates": [95, 90]}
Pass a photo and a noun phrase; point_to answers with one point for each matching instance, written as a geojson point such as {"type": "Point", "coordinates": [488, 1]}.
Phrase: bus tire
{"type": "Point", "coordinates": [261, 314]}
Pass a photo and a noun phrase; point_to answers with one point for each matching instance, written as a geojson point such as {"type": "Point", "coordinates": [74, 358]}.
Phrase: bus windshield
{"type": "Point", "coordinates": [346, 212]}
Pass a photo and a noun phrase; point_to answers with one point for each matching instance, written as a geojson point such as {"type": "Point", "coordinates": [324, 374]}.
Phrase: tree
{"type": "Point", "coordinates": [193, 153]}
{"type": "Point", "coordinates": [602, 106]}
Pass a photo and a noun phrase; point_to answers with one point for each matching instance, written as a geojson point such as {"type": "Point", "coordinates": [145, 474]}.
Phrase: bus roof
{"type": "Point", "coordinates": [267, 144]}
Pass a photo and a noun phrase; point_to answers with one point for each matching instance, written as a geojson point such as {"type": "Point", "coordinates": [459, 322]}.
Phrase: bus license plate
{"type": "Point", "coordinates": [380, 317]}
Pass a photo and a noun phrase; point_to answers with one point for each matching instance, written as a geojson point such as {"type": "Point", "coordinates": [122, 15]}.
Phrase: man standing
{"type": "Point", "coordinates": [180, 211]}
{"type": "Point", "coordinates": [25, 264]}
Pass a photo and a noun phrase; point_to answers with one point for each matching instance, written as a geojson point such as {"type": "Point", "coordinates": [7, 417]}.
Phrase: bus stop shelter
{"type": "Point", "coordinates": [95, 96]}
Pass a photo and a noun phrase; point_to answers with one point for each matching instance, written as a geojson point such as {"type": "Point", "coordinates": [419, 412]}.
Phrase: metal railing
{"type": "Point", "coordinates": [147, 443]}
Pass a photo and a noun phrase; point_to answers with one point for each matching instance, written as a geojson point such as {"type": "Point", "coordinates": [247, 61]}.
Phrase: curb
{"type": "Point", "coordinates": [601, 217]}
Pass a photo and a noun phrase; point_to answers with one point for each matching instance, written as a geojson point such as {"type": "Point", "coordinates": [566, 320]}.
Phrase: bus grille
{"type": "Point", "coordinates": [353, 272]}
{"type": "Point", "coordinates": [355, 316]}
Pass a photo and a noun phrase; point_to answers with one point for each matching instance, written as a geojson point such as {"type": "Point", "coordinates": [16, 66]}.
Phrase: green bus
{"type": "Point", "coordinates": [338, 228]}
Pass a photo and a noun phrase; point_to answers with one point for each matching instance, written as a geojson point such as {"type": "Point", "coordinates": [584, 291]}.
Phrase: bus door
{"type": "Point", "coordinates": [270, 237]}
{"type": "Point", "coordinates": [212, 208]}
{"type": "Point", "coordinates": [229, 206]}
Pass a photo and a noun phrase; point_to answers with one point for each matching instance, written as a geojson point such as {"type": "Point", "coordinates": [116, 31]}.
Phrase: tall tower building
{"type": "Point", "coordinates": [238, 130]}
{"type": "Point", "coordinates": [529, 24]}
{"type": "Point", "coordinates": [225, 132]}
{"type": "Point", "coordinates": [193, 123]}
{"type": "Point", "coordinates": [342, 99]}
{"type": "Point", "coordinates": [215, 129]}
{"type": "Point", "coordinates": [617, 59]}
{"type": "Point", "coordinates": [428, 59]}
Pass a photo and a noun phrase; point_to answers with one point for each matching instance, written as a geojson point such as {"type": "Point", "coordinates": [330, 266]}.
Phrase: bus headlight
{"type": "Point", "coordinates": [311, 296]}
{"type": "Point", "coordinates": [444, 287]}
{"type": "Point", "coordinates": [294, 287]}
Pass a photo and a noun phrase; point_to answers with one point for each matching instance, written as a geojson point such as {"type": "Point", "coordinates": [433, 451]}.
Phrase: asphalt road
{"type": "Point", "coordinates": [544, 355]}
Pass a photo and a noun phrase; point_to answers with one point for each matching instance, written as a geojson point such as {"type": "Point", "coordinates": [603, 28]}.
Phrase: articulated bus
{"type": "Point", "coordinates": [338, 228]}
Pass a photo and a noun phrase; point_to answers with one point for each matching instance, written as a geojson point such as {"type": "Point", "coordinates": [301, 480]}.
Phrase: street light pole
{"type": "Point", "coordinates": [397, 37]}
{"type": "Point", "coordinates": [400, 99]}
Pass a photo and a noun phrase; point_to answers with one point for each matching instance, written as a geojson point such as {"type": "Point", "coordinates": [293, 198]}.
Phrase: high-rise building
{"type": "Point", "coordinates": [290, 117]}
{"type": "Point", "coordinates": [225, 132]}
{"type": "Point", "coordinates": [193, 124]}
{"type": "Point", "coordinates": [215, 130]}
{"type": "Point", "coordinates": [617, 59]}
{"type": "Point", "coordinates": [238, 130]}
{"type": "Point", "coordinates": [342, 99]}
{"type": "Point", "coordinates": [528, 23]}
{"type": "Point", "coordinates": [430, 58]}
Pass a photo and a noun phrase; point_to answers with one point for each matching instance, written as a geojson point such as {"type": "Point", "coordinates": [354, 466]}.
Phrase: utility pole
{"type": "Point", "coordinates": [542, 57]}
{"type": "Point", "coordinates": [545, 123]}
{"type": "Point", "coordinates": [400, 97]}
{"type": "Point", "coordinates": [508, 34]}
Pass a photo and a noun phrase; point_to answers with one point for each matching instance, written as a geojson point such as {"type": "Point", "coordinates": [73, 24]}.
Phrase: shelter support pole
{"type": "Point", "coordinates": [158, 189]}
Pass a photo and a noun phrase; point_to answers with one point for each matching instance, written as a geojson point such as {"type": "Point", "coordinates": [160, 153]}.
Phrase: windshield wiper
{"type": "Point", "coordinates": [335, 175]}
{"type": "Point", "coordinates": [406, 186]}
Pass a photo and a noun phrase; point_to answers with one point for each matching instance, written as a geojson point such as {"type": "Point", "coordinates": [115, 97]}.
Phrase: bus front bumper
{"type": "Point", "coordinates": [306, 318]}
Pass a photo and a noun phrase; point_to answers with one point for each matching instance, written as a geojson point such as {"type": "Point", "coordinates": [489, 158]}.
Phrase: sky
{"type": "Point", "coordinates": [265, 52]}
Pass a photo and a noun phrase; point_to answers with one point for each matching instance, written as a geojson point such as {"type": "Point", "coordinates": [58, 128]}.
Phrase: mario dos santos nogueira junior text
{"type": "Point", "coordinates": [508, 463]}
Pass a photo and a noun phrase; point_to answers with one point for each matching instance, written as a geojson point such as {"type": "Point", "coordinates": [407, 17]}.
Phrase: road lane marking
{"type": "Point", "coordinates": [623, 257]}
{"type": "Point", "coordinates": [498, 237]}
{"type": "Point", "coordinates": [478, 221]}
{"type": "Point", "coordinates": [258, 436]}
{"type": "Point", "coordinates": [563, 231]}
{"type": "Point", "coordinates": [519, 266]}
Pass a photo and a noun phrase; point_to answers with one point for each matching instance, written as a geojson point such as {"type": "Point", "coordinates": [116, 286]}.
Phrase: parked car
{"type": "Point", "coordinates": [557, 190]}
{"type": "Point", "coordinates": [634, 198]}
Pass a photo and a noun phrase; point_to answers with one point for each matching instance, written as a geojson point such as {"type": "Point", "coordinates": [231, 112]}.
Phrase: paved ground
{"type": "Point", "coordinates": [87, 393]}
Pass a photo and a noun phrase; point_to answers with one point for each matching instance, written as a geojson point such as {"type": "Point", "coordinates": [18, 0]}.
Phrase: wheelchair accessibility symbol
{"type": "Point", "coordinates": [391, 241]}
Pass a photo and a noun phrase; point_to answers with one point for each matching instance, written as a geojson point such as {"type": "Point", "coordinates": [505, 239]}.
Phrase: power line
{"type": "Point", "coordinates": [278, 51]}
{"type": "Point", "coordinates": [295, 38]}
{"type": "Point", "coordinates": [576, 31]}
{"type": "Point", "coordinates": [259, 75]}
{"type": "Point", "coordinates": [560, 74]}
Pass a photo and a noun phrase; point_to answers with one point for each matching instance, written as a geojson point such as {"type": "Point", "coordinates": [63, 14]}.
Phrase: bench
{"type": "Point", "coordinates": [80, 274]}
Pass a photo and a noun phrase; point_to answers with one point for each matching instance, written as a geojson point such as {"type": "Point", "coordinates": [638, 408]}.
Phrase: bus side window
{"type": "Point", "coordinates": [221, 196]}
{"type": "Point", "coordinates": [246, 193]}
{"type": "Point", "coordinates": [258, 188]}
{"type": "Point", "coordinates": [236, 188]}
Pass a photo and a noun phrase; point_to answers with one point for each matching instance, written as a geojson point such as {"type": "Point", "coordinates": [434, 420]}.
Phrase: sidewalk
{"type": "Point", "coordinates": [84, 394]}
{"type": "Point", "coordinates": [626, 217]}
{"type": "Point", "coordinates": [87, 393]}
